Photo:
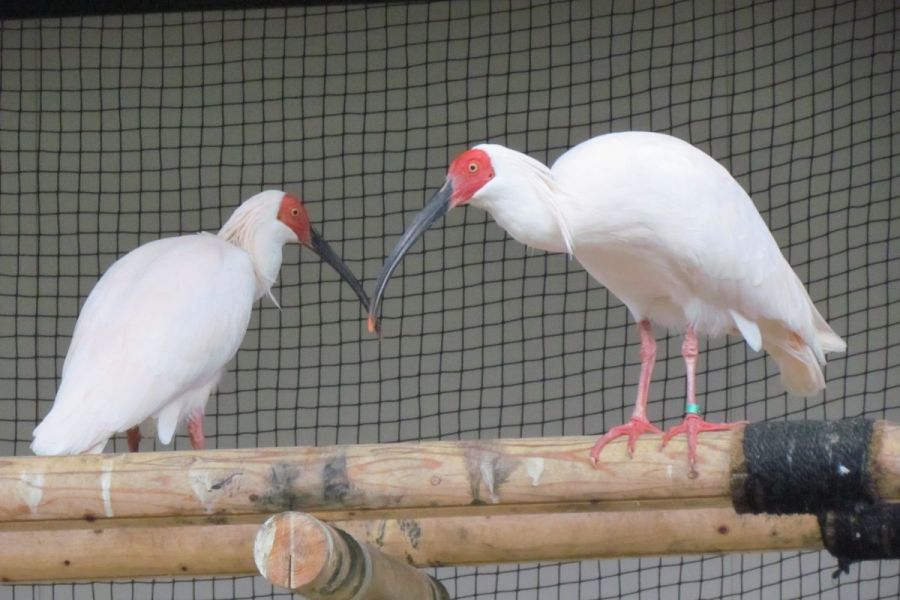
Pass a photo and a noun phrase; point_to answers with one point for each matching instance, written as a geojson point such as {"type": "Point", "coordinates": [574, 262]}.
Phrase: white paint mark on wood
{"type": "Point", "coordinates": [208, 486]}
{"type": "Point", "coordinates": [487, 475]}
{"type": "Point", "coordinates": [201, 484]}
{"type": "Point", "coordinates": [534, 466]}
{"type": "Point", "coordinates": [105, 486]}
{"type": "Point", "coordinates": [32, 489]}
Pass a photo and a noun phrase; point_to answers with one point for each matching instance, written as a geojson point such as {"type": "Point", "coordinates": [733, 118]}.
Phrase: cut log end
{"type": "Point", "coordinates": [292, 549]}
{"type": "Point", "coordinates": [298, 552]}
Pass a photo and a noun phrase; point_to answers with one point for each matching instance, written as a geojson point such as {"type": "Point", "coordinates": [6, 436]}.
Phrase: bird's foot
{"type": "Point", "coordinates": [195, 430]}
{"type": "Point", "coordinates": [633, 429]}
{"type": "Point", "coordinates": [692, 426]}
{"type": "Point", "coordinates": [134, 438]}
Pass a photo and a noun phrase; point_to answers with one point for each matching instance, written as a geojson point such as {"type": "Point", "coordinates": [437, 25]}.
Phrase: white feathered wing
{"type": "Point", "coordinates": [670, 232]}
{"type": "Point", "coordinates": [152, 339]}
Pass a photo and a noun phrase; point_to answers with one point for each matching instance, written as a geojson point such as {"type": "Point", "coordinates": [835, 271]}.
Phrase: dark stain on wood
{"type": "Point", "coordinates": [334, 583]}
{"type": "Point", "coordinates": [67, 562]}
{"type": "Point", "coordinates": [335, 484]}
{"type": "Point", "coordinates": [339, 579]}
{"type": "Point", "coordinates": [220, 484]}
{"type": "Point", "coordinates": [488, 466]}
{"type": "Point", "coordinates": [379, 537]}
{"type": "Point", "coordinates": [280, 493]}
{"type": "Point", "coordinates": [217, 519]}
{"type": "Point", "coordinates": [89, 517]}
{"type": "Point", "coordinates": [412, 531]}
{"type": "Point", "coordinates": [723, 529]}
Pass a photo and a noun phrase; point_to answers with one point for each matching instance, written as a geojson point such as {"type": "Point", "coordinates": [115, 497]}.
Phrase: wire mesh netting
{"type": "Point", "coordinates": [117, 130]}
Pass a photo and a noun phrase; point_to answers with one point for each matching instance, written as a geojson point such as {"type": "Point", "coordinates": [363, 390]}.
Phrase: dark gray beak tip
{"type": "Point", "coordinates": [433, 210]}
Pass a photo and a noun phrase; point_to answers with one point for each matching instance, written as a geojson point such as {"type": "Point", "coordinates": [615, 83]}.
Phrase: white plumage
{"type": "Point", "coordinates": [157, 330]}
{"type": "Point", "coordinates": [667, 230]}
{"type": "Point", "coordinates": [670, 232]}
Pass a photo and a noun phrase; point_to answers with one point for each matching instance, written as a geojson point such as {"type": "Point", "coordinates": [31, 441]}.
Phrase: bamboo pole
{"type": "Point", "coordinates": [301, 553]}
{"type": "Point", "coordinates": [102, 553]}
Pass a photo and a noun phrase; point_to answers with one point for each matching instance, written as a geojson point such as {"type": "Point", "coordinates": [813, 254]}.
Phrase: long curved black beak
{"type": "Point", "coordinates": [434, 209]}
{"type": "Point", "coordinates": [320, 246]}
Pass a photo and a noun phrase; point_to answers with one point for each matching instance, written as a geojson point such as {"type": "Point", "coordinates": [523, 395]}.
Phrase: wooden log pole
{"type": "Point", "coordinates": [301, 553]}
{"type": "Point", "coordinates": [340, 482]}
{"type": "Point", "coordinates": [400, 480]}
{"type": "Point", "coordinates": [885, 463]}
{"type": "Point", "coordinates": [101, 553]}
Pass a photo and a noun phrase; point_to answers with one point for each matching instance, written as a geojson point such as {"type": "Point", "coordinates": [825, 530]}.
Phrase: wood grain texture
{"type": "Point", "coordinates": [430, 503]}
{"type": "Point", "coordinates": [884, 462]}
{"type": "Point", "coordinates": [298, 552]}
{"type": "Point", "coordinates": [487, 477]}
{"type": "Point", "coordinates": [102, 553]}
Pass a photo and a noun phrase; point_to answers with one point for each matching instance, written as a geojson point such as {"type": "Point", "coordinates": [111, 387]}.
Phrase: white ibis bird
{"type": "Point", "coordinates": [157, 330]}
{"type": "Point", "coordinates": [667, 230]}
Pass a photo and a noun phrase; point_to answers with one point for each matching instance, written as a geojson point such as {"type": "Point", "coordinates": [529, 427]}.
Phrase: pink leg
{"type": "Point", "coordinates": [693, 423]}
{"type": "Point", "coordinates": [134, 438]}
{"type": "Point", "coordinates": [195, 429]}
{"type": "Point", "coordinates": [639, 423]}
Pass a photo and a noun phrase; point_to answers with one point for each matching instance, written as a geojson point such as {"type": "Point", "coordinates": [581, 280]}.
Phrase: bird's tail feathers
{"type": "Point", "coordinates": [801, 362]}
{"type": "Point", "coordinates": [829, 341]}
{"type": "Point", "coordinates": [801, 372]}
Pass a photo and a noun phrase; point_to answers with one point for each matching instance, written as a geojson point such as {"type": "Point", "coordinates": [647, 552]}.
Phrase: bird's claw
{"type": "Point", "coordinates": [692, 426]}
{"type": "Point", "coordinates": [633, 429]}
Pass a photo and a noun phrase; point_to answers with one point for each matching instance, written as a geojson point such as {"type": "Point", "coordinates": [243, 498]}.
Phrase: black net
{"type": "Point", "coordinates": [117, 130]}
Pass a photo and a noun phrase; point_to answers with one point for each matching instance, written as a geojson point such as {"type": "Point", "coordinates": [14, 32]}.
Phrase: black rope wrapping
{"type": "Point", "coordinates": [805, 467]}
{"type": "Point", "coordinates": [867, 533]}
{"type": "Point", "coordinates": [821, 468]}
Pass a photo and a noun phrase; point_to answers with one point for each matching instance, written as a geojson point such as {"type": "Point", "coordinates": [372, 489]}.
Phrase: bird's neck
{"type": "Point", "coordinates": [527, 205]}
{"type": "Point", "coordinates": [263, 242]}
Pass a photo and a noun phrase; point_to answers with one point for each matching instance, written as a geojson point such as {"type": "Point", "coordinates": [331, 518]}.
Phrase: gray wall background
{"type": "Point", "coordinates": [115, 131]}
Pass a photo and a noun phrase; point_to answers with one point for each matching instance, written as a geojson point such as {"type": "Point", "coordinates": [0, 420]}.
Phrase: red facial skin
{"type": "Point", "coordinates": [469, 172]}
{"type": "Point", "coordinates": [293, 214]}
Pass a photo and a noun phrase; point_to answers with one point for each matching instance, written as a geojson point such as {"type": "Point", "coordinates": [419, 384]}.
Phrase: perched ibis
{"type": "Point", "coordinates": [666, 229]}
{"type": "Point", "coordinates": [158, 328]}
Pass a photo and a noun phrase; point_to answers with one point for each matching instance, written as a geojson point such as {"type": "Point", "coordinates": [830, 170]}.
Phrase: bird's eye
{"type": "Point", "coordinates": [295, 212]}
{"type": "Point", "coordinates": [473, 167]}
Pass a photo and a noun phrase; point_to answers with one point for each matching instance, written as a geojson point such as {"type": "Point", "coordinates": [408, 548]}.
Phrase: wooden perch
{"type": "Point", "coordinates": [301, 553]}
{"type": "Point", "coordinates": [102, 553]}
{"type": "Point", "coordinates": [431, 503]}
{"type": "Point", "coordinates": [364, 481]}
{"type": "Point", "coordinates": [382, 480]}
